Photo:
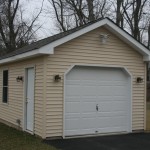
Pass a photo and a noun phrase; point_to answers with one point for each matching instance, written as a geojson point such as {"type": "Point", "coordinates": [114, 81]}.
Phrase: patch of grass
{"type": "Point", "coordinates": [12, 139]}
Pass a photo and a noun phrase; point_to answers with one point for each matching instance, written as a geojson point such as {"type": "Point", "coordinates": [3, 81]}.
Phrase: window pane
{"type": "Point", "coordinates": [5, 93]}
{"type": "Point", "coordinates": [5, 78]}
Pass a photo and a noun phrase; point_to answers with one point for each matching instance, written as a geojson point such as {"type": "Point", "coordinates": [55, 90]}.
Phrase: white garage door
{"type": "Point", "coordinates": [97, 100]}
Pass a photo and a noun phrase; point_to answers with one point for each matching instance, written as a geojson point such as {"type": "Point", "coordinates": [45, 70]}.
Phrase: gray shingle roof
{"type": "Point", "coordinates": [43, 42]}
{"type": "Point", "coordinates": [48, 40]}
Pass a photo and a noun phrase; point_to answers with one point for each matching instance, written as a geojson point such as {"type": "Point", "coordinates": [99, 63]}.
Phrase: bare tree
{"type": "Point", "coordinates": [128, 14]}
{"type": "Point", "coordinates": [133, 11]}
{"type": "Point", "coordinates": [148, 45]}
{"type": "Point", "coordinates": [119, 14]}
{"type": "Point", "coordinates": [76, 8]}
{"type": "Point", "coordinates": [74, 13]}
{"type": "Point", "coordinates": [59, 11]}
{"type": "Point", "coordinates": [15, 31]}
{"type": "Point", "coordinates": [90, 4]}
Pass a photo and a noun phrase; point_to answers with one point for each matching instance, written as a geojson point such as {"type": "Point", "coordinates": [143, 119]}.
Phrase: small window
{"type": "Point", "coordinates": [148, 72]}
{"type": "Point", "coordinates": [5, 86]}
{"type": "Point", "coordinates": [148, 75]}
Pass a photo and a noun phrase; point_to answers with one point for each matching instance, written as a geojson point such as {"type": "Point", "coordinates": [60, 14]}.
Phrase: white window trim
{"type": "Point", "coordinates": [5, 103]}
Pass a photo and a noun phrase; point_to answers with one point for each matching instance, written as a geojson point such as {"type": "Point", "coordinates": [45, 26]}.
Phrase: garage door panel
{"type": "Point", "coordinates": [112, 106]}
{"type": "Point", "coordinates": [97, 100]}
{"type": "Point", "coordinates": [110, 98]}
{"type": "Point", "coordinates": [80, 132]}
{"type": "Point", "coordinates": [89, 90]}
{"type": "Point", "coordinates": [112, 129]}
{"type": "Point", "coordinates": [72, 116]}
{"type": "Point", "coordinates": [88, 122]}
{"type": "Point", "coordinates": [84, 107]}
{"type": "Point", "coordinates": [73, 98]}
{"type": "Point", "coordinates": [88, 82]}
{"type": "Point", "coordinates": [111, 83]}
{"type": "Point", "coordinates": [71, 124]}
{"type": "Point", "coordinates": [73, 90]}
{"type": "Point", "coordinates": [111, 114]}
{"type": "Point", "coordinates": [87, 73]}
{"type": "Point", "coordinates": [88, 107]}
{"type": "Point", "coordinates": [73, 107]}
{"type": "Point", "coordinates": [120, 98]}
{"type": "Point", "coordinates": [111, 121]}
{"type": "Point", "coordinates": [114, 121]}
{"type": "Point", "coordinates": [111, 90]}
{"type": "Point", "coordinates": [73, 82]}
{"type": "Point", "coordinates": [81, 125]}
{"type": "Point", "coordinates": [89, 98]}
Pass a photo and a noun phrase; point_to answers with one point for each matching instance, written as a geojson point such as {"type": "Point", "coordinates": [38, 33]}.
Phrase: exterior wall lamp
{"type": "Point", "coordinates": [104, 38]}
{"type": "Point", "coordinates": [57, 78]}
{"type": "Point", "coordinates": [19, 79]}
{"type": "Point", "coordinates": [139, 80]}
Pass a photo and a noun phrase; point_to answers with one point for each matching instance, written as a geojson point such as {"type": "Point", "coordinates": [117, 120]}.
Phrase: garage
{"type": "Point", "coordinates": [83, 85]}
{"type": "Point", "coordinates": [97, 101]}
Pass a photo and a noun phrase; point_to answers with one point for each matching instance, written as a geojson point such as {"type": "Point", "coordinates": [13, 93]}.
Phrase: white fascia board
{"type": "Point", "coordinates": [22, 56]}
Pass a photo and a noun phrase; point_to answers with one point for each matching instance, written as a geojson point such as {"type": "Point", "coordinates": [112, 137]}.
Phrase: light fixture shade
{"type": "Point", "coordinates": [57, 77]}
{"type": "Point", "coordinates": [19, 78]}
{"type": "Point", "coordinates": [104, 38]}
{"type": "Point", "coordinates": [139, 79]}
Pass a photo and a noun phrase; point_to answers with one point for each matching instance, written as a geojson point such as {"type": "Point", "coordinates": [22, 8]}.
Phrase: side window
{"type": "Point", "coordinates": [5, 86]}
{"type": "Point", "coordinates": [148, 72]}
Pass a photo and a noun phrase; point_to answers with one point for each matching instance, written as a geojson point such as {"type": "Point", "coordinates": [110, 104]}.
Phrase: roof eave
{"type": "Point", "coordinates": [129, 40]}
{"type": "Point", "coordinates": [112, 28]}
{"type": "Point", "coordinates": [30, 54]}
{"type": "Point", "coordinates": [49, 48]}
{"type": "Point", "coordinates": [146, 58]}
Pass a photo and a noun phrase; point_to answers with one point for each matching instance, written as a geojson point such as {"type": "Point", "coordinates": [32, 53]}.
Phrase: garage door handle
{"type": "Point", "coordinates": [97, 107]}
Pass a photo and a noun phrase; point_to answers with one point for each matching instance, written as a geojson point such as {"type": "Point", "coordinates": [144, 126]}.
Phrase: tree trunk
{"type": "Point", "coordinates": [119, 15]}
{"type": "Point", "coordinates": [136, 20]}
{"type": "Point", "coordinates": [91, 10]}
{"type": "Point", "coordinates": [149, 36]}
{"type": "Point", "coordinates": [15, 32]}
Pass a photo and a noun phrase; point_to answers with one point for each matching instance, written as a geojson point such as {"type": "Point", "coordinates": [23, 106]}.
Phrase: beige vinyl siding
{"type": "Point", "coordinates": [87, 49]}
{"type": "Point", "coordinates": [14, 109]}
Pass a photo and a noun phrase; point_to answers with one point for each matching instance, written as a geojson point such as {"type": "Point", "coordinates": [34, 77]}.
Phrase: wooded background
{"type": "Point", "coordinates": [17, 31]}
